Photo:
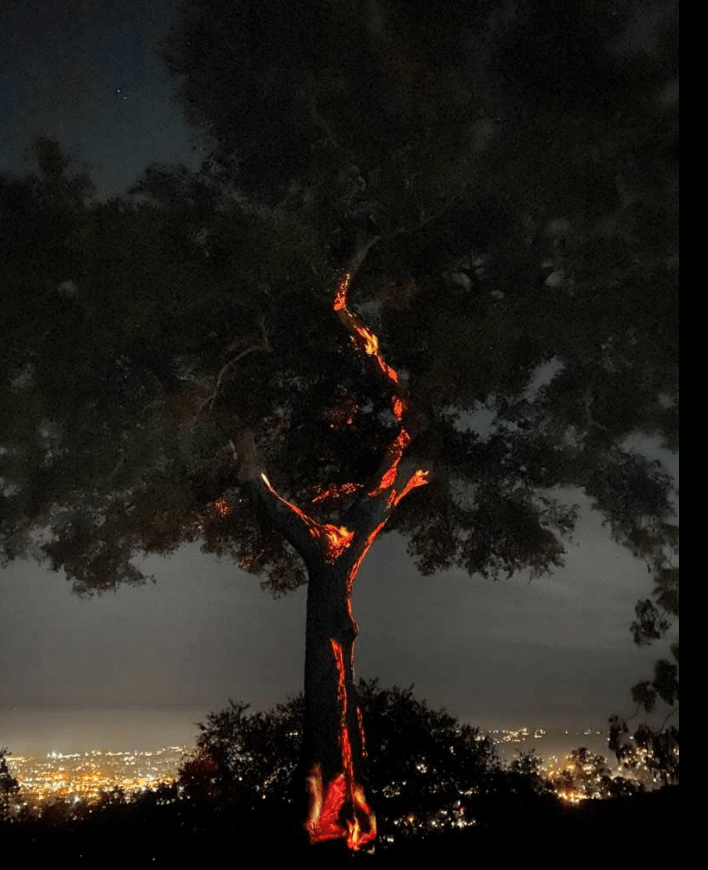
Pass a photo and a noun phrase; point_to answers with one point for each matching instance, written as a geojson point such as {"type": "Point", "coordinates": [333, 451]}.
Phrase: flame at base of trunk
{"type": "Point", "coordinates": [339, 810]}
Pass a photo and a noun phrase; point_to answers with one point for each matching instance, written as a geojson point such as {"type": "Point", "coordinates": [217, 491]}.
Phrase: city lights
{"type": "Point", "coordinates": [87, 775]}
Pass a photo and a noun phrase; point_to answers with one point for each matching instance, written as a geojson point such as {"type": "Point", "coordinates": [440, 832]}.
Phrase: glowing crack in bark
{"type": "Point", "coordinates": [399, 407]}
{"type": "Point", "coordinates": [420, 478]}
{"type": "Point", "coordinates": [334, 539]}
{"type": "Point", "coordinates": [335, 491]}
{"type": "Point", "coordinates": [362, 337]}
{"type": "Point", "coordinates": [338, 808]}
{"type": "Point", "coordinates": [394, 455]}
{"type": "Point", "coordinates": [340, 300]}
{"type": "Point", "coordinates": [222, 507]}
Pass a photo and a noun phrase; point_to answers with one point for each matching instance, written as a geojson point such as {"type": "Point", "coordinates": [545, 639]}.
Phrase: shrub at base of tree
{"type": "Point", "coordinates": [427, 773]}
{"type": "Point", "coordinates": [438, 788]}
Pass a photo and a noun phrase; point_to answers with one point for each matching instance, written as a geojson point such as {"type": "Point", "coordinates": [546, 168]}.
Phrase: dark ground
{"type": "Point", "coordinates": [630, 832]}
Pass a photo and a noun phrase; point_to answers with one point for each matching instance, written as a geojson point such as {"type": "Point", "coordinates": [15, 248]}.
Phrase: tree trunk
{"type": "Point", "coordinates": [333, 742]}
{"type": "Point", "coordinates": [334, 747]}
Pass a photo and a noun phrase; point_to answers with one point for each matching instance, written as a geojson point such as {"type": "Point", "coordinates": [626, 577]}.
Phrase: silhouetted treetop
{"type": "Point", "coordinates": [521, 275]}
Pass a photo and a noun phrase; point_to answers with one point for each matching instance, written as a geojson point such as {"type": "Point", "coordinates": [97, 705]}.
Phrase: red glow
{"type": "Point", "coordinates": [364, 339]}
{"type": "Point", "coordinates": [395, 451]}
{"type": "Point", "coordinates": [340, 300]}
{"type": "Point", "coordinates": [334, 539]}
{"type": "Point", "coordinates": [360, 720]}
{"type": "Point", "coordinates": [370, 342]}
{"type": "Point", "coordinates": [338, 808]}
{"type": "Point", "coordinates": [335, 491]}
{"type": "Point", "coordinates": [367, 342]}
{"type": "Point", "coordinates": [399, 407]}
{"type": "Point", "coordinates": [222, 507]}
{"type": "Point", "coordinates": [342, 694]}
{"type": "Point", "coordinates": [371, 537]}
{"type": "Point", "coordinates": [325, 805]}
{"type": "Point", "coordinates": [420, 478]}
{"type": "Point", "coordinates": [390, 373]}
{"type": "Point", "coordinates": [343, 796]}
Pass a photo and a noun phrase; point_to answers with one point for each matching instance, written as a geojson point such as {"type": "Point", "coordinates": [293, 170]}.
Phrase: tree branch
{"type": "Point", "coordinates": [264, 346]}
{"type": "Point", "coordinates": [357, 259]}
{"type": "Point", "coordinates": [386, 490]}
{"type": "Point", "coordinates": [667, 717]}
{"type": "Point", "coordinates": [246, 453]}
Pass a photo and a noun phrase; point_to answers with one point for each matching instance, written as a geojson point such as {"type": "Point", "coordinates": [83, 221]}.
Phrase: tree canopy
{"type": "Point", "coordinates": [511, 172]}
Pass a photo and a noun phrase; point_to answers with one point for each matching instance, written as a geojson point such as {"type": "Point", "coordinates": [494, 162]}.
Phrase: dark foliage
{"type": "Point", "coordinates": [426, 772]}
{"type": "Point", "coordinates": [587, 775]}
{"type": "Point", "coordinates": [9, 786]}
{"type": "Point", "coordinates": [654, 749]}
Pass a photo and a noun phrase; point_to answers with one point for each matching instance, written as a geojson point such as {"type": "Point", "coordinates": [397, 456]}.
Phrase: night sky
{"type": "Point", "coordinates": [140, 666]}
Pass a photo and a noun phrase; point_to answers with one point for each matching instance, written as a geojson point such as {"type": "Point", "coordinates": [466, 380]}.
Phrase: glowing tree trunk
{"type": "Point", "coordinates": [334, 743]}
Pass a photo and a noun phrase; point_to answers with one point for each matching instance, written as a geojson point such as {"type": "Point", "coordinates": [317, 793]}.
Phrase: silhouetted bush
{"type": "Point", "coordinates": [426, 771]}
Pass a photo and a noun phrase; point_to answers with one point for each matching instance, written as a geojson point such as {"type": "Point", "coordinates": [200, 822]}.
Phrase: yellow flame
{"type": "Point", "coordinates": [335, 538]}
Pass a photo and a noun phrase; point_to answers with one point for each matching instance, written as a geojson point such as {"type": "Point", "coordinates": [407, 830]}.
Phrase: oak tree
{"type": "Point", "coordinates": [405, 223]}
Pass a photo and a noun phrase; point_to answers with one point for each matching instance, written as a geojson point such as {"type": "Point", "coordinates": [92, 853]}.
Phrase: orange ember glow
{"type": "Point", "coordinates": [360, 334]}
{"type": "Point", "coordinates": [399, 407]}
{"type": "Point", "coordinates": [420, 478]}
{"type": "Point", "coordinates": [360, 720]}
{"type": "Point", "coordinates": [340, 300]}
{"type": "Point", "coordinates": [395, 451]}
{"type": "Point", "coordinates": [369, 341]}
{"type": "Point", "coordinates": [325, 805]}
{"type": "Point", "coordinates": [222, 507]}
{"type": "Point", "coordinates": [390, 373]}
{"type": "Point", "coordinates": [335, 491]}
{"type": "Point", "coordinates": [339, 809]}
{"type": "Point", "coordinates": [334, 539]}
{"type": "Point", "coordinates": [342, 694]}
{"type": "Point", "coordinates": [355, 567]}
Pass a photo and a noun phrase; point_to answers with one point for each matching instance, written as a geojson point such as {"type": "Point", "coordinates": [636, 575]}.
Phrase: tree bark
{"type": "Point", "coordinates": [334, 746]}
